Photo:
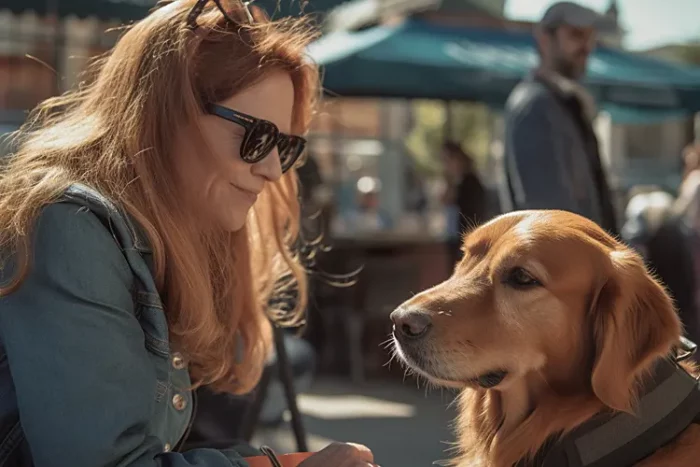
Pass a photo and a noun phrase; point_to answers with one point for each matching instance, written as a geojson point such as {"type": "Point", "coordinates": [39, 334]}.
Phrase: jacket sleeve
{"type": "Point", "coordinates": [536, 158]}
{"type": "Point", "coordinates": [84, 381]}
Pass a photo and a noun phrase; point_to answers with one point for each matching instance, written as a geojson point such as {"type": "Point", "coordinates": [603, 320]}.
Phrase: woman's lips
{"type": "Point", "coordinates": [249, 195]}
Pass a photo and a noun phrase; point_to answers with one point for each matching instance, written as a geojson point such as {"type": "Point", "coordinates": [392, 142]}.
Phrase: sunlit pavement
{"type": "Point", "coordinates": [403, 425]}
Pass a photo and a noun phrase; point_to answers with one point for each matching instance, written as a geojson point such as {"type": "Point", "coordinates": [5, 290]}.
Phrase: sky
{"type": "Point", "coordinates": [649, 23]}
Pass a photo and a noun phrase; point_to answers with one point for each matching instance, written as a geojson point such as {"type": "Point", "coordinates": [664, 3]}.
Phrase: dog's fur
{"type": "Point", "coordinates": [579, 343]}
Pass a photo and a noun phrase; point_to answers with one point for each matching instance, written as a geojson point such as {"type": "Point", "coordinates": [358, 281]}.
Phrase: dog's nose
{"type": "Point", "coordinates": [411, 324]}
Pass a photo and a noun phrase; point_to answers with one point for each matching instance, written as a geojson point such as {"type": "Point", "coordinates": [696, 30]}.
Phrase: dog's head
{"type": "Point", "coordinates": [540, 292]}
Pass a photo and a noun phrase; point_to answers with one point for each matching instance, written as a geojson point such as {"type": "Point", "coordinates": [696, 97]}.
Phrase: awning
{"type": "Point", "coordinates": [282, 8]}
{"type": "Point", "coordinates": [124, 10]}
{"type": "Point", "coordinates": [416, 59]}
{"type": "Point", "coordinates": [643, 116]}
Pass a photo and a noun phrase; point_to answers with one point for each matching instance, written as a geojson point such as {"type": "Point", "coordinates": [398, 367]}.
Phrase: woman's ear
{"type": "Point", "coordinates": [634, 322]}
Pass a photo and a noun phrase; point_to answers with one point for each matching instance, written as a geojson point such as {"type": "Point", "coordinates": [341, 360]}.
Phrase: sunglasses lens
{"type": "Point", "coordinates": [290, 148]}
{"type": "Point", "coordinates": [259, 141]}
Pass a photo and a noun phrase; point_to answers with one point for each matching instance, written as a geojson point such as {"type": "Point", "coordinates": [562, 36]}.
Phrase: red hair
{"type": "Point", "coordinates": [115, 134]}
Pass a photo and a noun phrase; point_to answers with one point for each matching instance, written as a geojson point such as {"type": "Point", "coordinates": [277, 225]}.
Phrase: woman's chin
{"type": "Point", "coordinates": [233, 222]}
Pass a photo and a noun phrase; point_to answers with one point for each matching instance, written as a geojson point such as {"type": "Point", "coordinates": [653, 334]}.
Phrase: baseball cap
{"type": "Point", "coordinates": [573, 14]}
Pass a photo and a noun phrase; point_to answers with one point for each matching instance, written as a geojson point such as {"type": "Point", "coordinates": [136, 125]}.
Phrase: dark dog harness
{"type": "Point", "coordinates": [669, 403]}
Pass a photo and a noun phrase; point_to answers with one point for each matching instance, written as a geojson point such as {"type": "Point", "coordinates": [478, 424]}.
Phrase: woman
{"type": "Point", "coordinates": [147, 219]}
{"type": "Point", "coordinates": [465, 197]}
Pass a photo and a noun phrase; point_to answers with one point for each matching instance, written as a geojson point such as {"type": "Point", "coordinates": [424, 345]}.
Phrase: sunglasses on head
{"type": "Point", "coordinates": [261, 137]}
{"type": "Point", "coordinates": [226, 7]}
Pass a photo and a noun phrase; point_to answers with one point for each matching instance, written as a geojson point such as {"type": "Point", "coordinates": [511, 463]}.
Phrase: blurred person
{"type": "Point", "coordinates": [688, 206]}
{"type": "Point", "coordinates": [367, 213]}
{"type": "Point", "coordinates": [145, 221]}
{"type": "Point", "coordinates": [552, 158]}
{"type": "Point", "coordinates": [310, 182]}
{"type": "Point", "coordinates": [654, 226]}
{"type": "Point", "coordinates": [416, 200]}
{"type": "Point", "coordinates": [316, 198]}
{"type": "Point", "coordinates": [689, 191]}
{"type": "Point", "coordinates": [370, 215]}
{"type": "Point", "coordinates": [464, 197]}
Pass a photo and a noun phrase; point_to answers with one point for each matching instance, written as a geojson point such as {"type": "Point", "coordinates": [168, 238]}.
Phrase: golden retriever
{"type": "Point", "coordinates": [545, 322]}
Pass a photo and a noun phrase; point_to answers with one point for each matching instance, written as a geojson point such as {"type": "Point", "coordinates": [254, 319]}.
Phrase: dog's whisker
{"type": "Point", "coordinates": [453, 403]}
{"type": "Point", "coordinates": [388, 362]}
{"type": "Point", "coordinates": [392, 356]}
{"type": "Point", "coordinates": [387, 343]}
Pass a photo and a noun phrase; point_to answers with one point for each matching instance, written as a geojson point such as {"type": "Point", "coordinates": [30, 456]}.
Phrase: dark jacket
{"type": "Point", "coordinates": [471, 202]}
{"type": "Point", "coordinates": [668, 251]}
{"type": "Point", "coordinates": [87, 374]}
{"type": "Point", "coordinates": [552, 159]}
{"type": "Point", "coordinates": [670, 257]}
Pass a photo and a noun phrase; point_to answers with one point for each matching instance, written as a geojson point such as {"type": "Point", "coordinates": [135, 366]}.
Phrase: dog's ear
{"type": "Point", "coordinates": [634, 322]}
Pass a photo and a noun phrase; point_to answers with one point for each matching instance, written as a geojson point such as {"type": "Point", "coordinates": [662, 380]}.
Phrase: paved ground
{"type": "Point", "coordinates": [402, 424]}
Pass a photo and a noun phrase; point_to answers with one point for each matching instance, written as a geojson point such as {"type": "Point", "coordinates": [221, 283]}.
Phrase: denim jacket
{"type": "Point", "coordinates": [87, 375]}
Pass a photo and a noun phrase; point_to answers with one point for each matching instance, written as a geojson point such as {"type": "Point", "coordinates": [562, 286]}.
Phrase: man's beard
{"type": "Point", "coordinates": [569, 68]}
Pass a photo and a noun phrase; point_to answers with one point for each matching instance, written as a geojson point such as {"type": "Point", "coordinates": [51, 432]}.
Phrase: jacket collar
{"type": "Point", "coordinates": [569, 89]}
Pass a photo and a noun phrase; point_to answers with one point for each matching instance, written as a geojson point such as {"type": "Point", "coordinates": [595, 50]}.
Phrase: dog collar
{"type": "Point", "coordinates": [670, 402]}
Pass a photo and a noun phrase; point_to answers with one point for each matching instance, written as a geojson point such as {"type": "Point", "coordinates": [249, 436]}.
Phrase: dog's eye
{"type": "Point", "coordinates": [520, 278]}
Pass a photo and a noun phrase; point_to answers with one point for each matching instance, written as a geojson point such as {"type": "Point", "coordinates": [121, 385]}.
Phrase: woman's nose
{"type": "Point", "coordinates": [270, 167]}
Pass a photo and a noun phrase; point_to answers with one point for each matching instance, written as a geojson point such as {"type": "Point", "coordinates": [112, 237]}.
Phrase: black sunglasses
{"type": "Point", "coordinates": [261, 137]}
{"type": "Point", "coordinates": [198, 8]}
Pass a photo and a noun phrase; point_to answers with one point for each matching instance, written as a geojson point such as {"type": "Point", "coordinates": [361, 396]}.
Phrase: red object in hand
{"type": "Point", "coordinates": [287, 460]}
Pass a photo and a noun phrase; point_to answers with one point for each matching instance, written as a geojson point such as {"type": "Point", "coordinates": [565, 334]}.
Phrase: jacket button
{"type": "Point", "coordinates": [179, 402]}
{"type": "Point", "coordinates": [178, 361]}
{"type": "Point", "coordinates": [167, 447]}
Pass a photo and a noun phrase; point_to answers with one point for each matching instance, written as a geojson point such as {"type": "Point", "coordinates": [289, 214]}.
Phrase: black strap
{"type": "Point", "coordinates": [586, 445]}
{"type": "Point", "coordinates": [271, 455]}
{"type": "Point", "coordinates": [656, 437]}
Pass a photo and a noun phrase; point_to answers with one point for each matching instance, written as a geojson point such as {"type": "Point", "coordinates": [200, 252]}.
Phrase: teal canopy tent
{"type": "Point", "coordinates": [643, 115]}
{"type": "Point", "coordinates": [416, 59]}
{"type": "Point", "coordinates": [281, 8]}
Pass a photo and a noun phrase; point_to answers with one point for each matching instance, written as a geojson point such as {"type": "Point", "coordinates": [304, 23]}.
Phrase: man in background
{"type": "Point", "coordinates": [552, 158]}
